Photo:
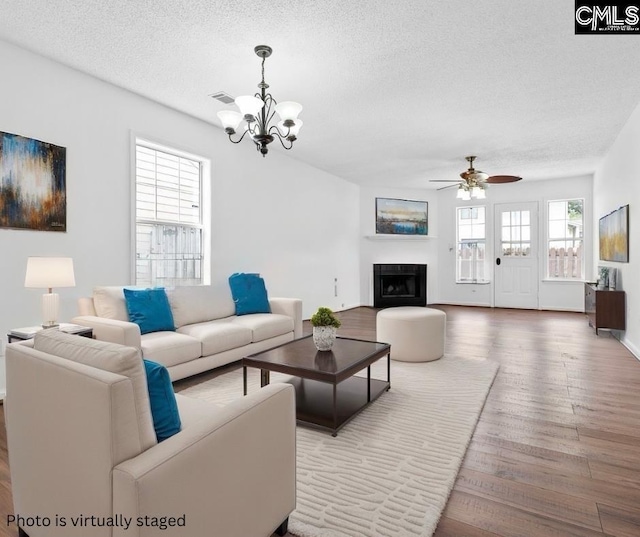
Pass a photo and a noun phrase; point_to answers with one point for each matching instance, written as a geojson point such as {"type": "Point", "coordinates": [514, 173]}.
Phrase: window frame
{"type": "Point", "coordinates": [459, 242]}
{"type": "Point", "coordinates": [548, 239]}
{"type": "Point", "coordinates": [205, 203]}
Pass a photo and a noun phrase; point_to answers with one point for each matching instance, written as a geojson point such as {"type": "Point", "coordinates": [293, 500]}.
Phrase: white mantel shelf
{"type": "Point", "coordinates": [382, 237]}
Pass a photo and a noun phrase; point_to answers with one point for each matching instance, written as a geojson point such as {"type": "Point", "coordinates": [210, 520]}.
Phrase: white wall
{"type": "Point", "coordinates": [616, 184]}
{"type": "Point", "coordinates": [396, 250]}
{"type": "Point", "coordinates": [553, 295]}
{"type": "Point", "coordinates": [295, 224]}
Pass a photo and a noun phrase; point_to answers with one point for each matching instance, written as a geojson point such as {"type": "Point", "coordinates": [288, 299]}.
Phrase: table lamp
{"type": "Point", "coordinates": [47, 273]}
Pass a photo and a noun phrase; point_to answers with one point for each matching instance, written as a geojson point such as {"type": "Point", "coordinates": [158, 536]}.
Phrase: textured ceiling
{"type": "Point", "coordinates": [394, 92]}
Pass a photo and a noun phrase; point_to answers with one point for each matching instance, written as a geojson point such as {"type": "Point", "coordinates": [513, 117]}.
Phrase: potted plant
{"type": "Point", "coordinates": [325, 324]}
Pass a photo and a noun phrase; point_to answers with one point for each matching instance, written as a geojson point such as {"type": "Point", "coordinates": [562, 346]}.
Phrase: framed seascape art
{"type": "Point", "coordinates": [401, 217]}
{"type": "Point", "coordinates": [32, 184]}
{"type": "Point", "coordinates": [614, 236]}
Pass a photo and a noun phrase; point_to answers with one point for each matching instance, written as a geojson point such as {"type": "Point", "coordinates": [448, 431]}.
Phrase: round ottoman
{"type": "Point", "coordinates": [415, 334]}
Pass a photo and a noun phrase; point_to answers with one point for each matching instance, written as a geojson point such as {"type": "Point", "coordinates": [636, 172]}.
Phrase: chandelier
{"type": "Point", "coordinates": [257, 111]}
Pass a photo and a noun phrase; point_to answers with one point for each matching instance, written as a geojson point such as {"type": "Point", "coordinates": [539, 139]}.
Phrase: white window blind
{"type": "Point", "coordinates": [565, 235]}
{"type": "Point", "coordinates": [471, 264]}
{"type": "Point", "coordinates": [169, 231]}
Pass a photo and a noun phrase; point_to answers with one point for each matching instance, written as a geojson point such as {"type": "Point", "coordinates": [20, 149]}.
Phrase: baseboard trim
{"type": "Point", "coordinates": [631, 348]}
{"type": "Point", "coordinates": [472, 304]}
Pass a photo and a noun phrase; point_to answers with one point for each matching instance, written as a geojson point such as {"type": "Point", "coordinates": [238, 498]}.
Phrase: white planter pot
{"type": "Point", "coordinates": [324, 336]}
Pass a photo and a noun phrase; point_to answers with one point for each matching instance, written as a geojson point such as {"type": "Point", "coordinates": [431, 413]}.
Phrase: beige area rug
{"type": "Point", "coordinates": [390, 470]}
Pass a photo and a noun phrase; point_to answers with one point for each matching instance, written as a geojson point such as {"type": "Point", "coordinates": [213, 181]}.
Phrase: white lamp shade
{"type": "Point", "coordinates": [466, 195]}
{"type": "Point", "coordinates": [249, 105]}
{"type": "Point", "coordinates": [460, 194]}
{"type": "Point", "coordinates": [475, 192]}
{"type": "Point", "coordinates": [230, 119]}
{"type": "Point", "coordinates": [295, 129]}
{"type": "Point", "coordinates": [288, 110]}
{"type": "Point", "coordinates": [481, 194]}
{"type": "Point", "coordinates": [49, 272]}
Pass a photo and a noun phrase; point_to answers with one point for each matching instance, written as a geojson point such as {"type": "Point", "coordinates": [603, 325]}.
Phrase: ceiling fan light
{"type": "Point", "coordinates": [288, 110]}
{"type": "Point", "coordinates": [481, 194]}
{"type": "Point", "coordinates": [460, 193]}
{"type": "Point", "coordinates": [476, 192]}
{"type": "Point", "coordinates": [466, 196]}
{"type": "Point", "coordinates": [249, 105]}
{"type": "Point", "coordinates": [230, 120]}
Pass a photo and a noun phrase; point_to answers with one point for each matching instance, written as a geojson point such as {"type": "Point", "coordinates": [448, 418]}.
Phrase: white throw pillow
{"type": "Point", "coordinates": [109, 303]}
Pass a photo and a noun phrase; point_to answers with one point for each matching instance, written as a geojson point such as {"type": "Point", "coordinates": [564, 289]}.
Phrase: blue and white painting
{"type": "Point", "coordinates": [32, 184]}
{"type": "Point", "coordinates": [401, 217]}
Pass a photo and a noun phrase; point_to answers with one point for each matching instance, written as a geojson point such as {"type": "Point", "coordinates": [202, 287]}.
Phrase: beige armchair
{"type": "Point", "coordinates": [81, 444]}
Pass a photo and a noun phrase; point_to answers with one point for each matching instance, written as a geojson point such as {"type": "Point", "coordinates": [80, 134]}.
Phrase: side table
{"type": "Point", "coordinates": [76, 331]}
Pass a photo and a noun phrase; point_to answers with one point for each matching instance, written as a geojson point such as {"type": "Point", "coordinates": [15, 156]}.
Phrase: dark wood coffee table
{"type": "Point", "coordinates": [328, 395]}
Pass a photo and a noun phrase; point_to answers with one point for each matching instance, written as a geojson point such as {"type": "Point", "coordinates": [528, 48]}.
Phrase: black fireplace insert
{"type": "Point", "coordinates": [399, 285]}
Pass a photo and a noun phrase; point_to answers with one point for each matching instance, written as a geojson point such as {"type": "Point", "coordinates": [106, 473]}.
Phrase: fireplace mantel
{"type": "Point", "coordinates": [382, 237]}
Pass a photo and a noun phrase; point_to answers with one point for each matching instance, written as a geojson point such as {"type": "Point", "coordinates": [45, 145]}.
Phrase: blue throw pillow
{"type": "Point", "coordinates": [164, 409]}
{"type": "Point", "coordinates": [149, 309]}
{"type": "Point", "coordinates": [249, 293]}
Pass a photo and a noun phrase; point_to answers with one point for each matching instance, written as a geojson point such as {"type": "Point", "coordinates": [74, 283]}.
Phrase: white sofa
{"type": "Point", "coordinates": [81, 441]}
{"type": "Point", "coordinates": [208, 333]}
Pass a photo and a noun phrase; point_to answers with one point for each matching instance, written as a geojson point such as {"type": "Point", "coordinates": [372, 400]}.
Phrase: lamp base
{"type": "Point", "coordinates": [50, 308]}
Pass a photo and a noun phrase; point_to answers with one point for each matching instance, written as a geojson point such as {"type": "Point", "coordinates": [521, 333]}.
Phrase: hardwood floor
{"type": "Point", "coordinates": [557, 448]}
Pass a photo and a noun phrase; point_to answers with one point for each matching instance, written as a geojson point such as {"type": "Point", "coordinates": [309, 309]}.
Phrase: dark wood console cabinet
{"type": "Point", "coordinates": [604, 308]}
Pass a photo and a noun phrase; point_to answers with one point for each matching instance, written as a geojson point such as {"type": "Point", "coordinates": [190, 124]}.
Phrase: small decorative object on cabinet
{"type": "Point", "coordinates": [325, 325]}
{"type": "Point", "coordinates": [604, 308]}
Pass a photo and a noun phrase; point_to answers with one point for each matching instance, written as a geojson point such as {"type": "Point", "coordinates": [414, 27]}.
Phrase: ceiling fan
{"type": "Point", "coordinates": [474, 182]}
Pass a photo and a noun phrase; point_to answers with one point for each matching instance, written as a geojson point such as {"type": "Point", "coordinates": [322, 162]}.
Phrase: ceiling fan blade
{"type": "Point", "coordinates": [500, 179]}
{"type": "Point", "coordinates": [445, 187]}
{"type": "Point", "coordinates": [445, 181]}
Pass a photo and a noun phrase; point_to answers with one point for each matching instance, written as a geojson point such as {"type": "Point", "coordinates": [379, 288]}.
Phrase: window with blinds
{"type": "Point", "coordinates": [169, 227]}
{"type": "Point", "coordinates": [471, 265]}
{"type": "Point", "coordinates": [565, 236]}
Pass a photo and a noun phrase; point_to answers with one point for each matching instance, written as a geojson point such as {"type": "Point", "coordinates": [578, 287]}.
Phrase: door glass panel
{"type": "Point", "coordinates": [516, 233]}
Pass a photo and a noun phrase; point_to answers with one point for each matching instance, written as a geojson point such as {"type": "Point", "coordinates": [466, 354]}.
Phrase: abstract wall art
{"type": "Point", "coordinates": [32, 184]}
{"type": "Point", "coordinates": [614, 236]}
{"type": "Point", "coordinates": [401, 217]}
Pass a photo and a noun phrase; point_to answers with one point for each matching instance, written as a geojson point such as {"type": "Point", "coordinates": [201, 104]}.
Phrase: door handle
{"type": "Point", "coordinates": [497, 260]}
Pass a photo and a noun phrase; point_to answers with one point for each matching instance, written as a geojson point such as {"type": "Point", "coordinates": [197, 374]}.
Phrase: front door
{"type": "Point", "coordinates": [516, 261]}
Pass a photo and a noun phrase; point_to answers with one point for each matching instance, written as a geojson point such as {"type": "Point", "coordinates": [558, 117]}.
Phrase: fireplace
{"type": "Point", "coordinates": [399, 285]}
